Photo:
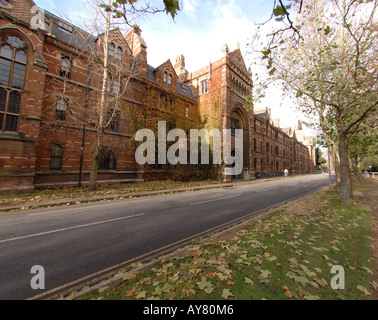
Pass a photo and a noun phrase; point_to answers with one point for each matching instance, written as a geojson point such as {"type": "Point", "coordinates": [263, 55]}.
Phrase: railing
{"type": "Point", "coordinates": [369, 174]}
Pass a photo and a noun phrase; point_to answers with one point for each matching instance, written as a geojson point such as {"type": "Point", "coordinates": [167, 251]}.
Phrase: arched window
{"type": "Point", "coordinates": [56, 157]}
{"type": "Point", "coordinates": [119, 54]}
{"type": "Point", "coordinates": [61, 108]}
{"type": "Point", "coordinates": [165, 76]}
{"type": "Point", "coordinates": [108, 160]}
{"type": "Point", "coordinates": [65, 67]}
{"type": "Point", "coordinates": [5, 3]}
{"type": "Point", "coordinates": [13, 61]}
{"type": "Point", "coordinates": [111, 49]}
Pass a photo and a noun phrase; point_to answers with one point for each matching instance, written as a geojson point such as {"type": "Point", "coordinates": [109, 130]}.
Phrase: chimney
{"type": "Point", "coordinates": [276, 122]}
{"type": "Point", "coordinates": [180, 67]}
{"type": "Point", "coordinates": [139, 49]}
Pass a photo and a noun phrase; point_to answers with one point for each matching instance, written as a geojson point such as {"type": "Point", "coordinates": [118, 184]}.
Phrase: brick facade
{"type": "Point", "coordinates": [268, 149]}
{"type": "Point", "coordinates": [48, 99]}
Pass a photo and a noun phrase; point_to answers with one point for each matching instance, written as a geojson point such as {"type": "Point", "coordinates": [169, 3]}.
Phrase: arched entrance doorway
{"type": "Point", "coordinates": [239, 120]}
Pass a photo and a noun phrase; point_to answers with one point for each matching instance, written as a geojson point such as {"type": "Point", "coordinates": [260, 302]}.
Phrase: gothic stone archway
{"type": "Point", "coordinates": [239, 120]}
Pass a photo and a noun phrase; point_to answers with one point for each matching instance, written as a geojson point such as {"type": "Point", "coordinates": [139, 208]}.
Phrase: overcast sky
{"type": "Point", "coordinates": [199, 32]}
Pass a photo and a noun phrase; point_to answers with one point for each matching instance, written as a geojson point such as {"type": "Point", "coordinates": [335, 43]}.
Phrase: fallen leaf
{"type": "Point", "coordinates": [205, 284]}
{"type": "Point", "coordinates": [367, 269]}
{"type": "Point", "coordinates": [288, 294]}
{"type": "Point", "coordinates": [364, 290]}
{"type": "Point", "coordinates": [226, 294]}
{"type": "Point", "coordinates": [130, 293]}
{"type": "Point", "coordinates": [209, 290]}
{"type": "Point", "coordinates": [265, 273]}
{"type": "Point", "coordinates": [141, 295]}
{"type": "Point", "coordinates": [311, 297]}
{"type": "Point", "coordinates": [302, 280]}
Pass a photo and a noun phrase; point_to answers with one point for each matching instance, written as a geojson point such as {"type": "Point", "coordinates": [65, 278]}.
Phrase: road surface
{"type": "Point", "coordinates": [72, 242]}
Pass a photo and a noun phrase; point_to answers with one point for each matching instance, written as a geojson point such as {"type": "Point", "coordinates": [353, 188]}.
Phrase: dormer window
{"type": "Point", "coordinates": [65, 26]}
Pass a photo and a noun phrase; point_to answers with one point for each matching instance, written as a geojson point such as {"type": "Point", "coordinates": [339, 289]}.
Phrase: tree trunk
{"type": "Point", "coordinates": [101, 108]}
{"type": "Point", "coordinates": [336, 164]}
{"type": "Point", "coordinates": [356, 168]}
{"type": "Point", "coordinates": [94, 170]}
{"type": "Point", "coordinates": [346, 192]}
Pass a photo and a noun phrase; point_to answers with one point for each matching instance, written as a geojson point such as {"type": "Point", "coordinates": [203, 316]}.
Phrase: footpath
{"type": "Point", "coordinates": [77, 199]}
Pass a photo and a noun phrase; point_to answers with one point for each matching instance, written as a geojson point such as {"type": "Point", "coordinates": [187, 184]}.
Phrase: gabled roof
{"type": "Point", "coordinates": [169, 63]}
{"type": "Point", "coordinates": [237, 58]}
{"type": "Point", "coordinates": [116, 35]}
{"type": "Point", "coordinates": [182, 89]}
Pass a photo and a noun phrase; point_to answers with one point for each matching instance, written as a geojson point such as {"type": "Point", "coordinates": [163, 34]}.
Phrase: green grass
{"type": "Point", "coordinates": [284, 256]}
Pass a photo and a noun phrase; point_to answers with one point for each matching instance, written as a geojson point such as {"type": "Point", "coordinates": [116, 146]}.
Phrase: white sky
{"type": "Point", "coordinates": [199, 32]}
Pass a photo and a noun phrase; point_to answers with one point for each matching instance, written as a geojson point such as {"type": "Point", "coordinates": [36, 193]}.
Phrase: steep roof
{"type": "Point", "coordinates": [71, 35]}
{"type": "Point", "coordinates": [182, 89]}
{"type": "Point", "coordinates": [237, 58]}
{"type": "Point", "coordinates": [185, 90]}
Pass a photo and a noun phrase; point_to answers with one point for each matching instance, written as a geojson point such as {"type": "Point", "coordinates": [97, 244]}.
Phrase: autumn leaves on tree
{"type": "Point", "coordinates": [331, 69]}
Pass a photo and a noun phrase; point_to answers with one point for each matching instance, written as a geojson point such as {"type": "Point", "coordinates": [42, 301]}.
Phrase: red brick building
{"type": "Point", "coordinates": [49, 89]}
{"type": "Point", "coordinates": [221, 90]}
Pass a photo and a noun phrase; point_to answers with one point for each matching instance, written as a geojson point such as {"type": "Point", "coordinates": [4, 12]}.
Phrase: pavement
{"type": "Point", "coordinates": [117, 196]}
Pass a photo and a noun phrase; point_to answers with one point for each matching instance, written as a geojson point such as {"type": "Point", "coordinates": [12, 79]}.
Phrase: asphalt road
{"type": "Point", "coordinates": [73, 242]}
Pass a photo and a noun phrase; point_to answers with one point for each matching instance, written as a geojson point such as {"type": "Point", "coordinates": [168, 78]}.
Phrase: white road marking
{"type": "Point", "coordinates": [70, 228]}
{"type": "Point", "coordinates": [74, 207]}
{"type": "Point", "coordinates": [218, 199]}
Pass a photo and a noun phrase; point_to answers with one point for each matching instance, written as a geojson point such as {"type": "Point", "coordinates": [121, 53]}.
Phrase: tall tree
{"type": "Point", "coordinates": [128, 10]}
{"type": "Point", "coordinates": [332, 67]}
{"type": "Point", "coordinates": [108, 75]}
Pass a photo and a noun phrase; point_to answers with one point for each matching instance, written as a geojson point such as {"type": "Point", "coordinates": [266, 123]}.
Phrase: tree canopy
{"type": "Point", "coordinates": [332, 69]}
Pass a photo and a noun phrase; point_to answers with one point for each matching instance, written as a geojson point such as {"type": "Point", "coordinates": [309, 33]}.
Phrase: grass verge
{"type": "Point", "coordinates": [52, 194]}
{"type": "Point", "coordinates": [288, 255]}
